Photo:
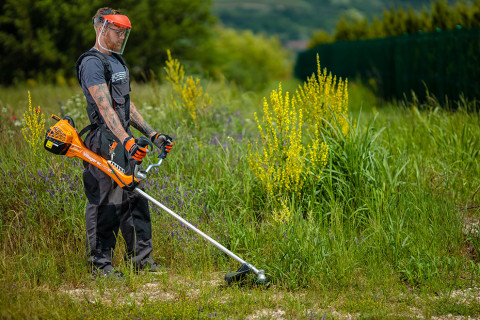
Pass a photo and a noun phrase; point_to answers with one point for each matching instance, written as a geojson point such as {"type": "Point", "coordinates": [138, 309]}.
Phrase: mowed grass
{"type": "Point", "coordinates": [389, 230]}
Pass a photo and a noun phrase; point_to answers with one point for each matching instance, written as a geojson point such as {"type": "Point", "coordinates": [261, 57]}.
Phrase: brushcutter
{"type": "Point", "coordinates": [62, 138]}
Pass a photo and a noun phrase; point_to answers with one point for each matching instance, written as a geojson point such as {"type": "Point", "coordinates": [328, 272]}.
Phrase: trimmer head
{"type": "Point", "coordinates": [240, 276]}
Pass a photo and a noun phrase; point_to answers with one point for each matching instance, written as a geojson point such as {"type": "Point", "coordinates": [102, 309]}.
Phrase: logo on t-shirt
{"type": "Point", "coordinates": [119, 76]}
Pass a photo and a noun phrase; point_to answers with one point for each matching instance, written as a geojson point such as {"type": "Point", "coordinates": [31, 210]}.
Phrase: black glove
{"type": "Point", "coordinates": [163, 142]}
{"type": "Point", "coordinates": [136, 152]}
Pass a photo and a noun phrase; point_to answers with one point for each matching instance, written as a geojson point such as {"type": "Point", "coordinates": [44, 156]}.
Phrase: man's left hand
{"type": "Point", "coordinates": [161, 140]}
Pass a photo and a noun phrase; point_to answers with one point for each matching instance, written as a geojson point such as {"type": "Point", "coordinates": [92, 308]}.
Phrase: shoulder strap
{"type": "Point", "coordinates": [88, 128]}
{"type": "Point", "coordinates": [120, 58]}
{"type": "Point", "coordinates": [98, 55]}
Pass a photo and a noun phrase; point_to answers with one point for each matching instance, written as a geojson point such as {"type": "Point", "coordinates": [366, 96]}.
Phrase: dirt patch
{"type": "Point", "coordinates": [467, 295]}
{"type": "Point", "coordinates": [170, 289]}
{"type": "Point", "coordinates": [149, 291]}
{"type": "Point", "coordinates": [177, 287]}
{"type": "Point", "coordinates": [267, 313]}
{"type": "Point", "coordinates": [470, 226]}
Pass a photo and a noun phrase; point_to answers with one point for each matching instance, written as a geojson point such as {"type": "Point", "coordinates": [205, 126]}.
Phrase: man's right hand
{"type": "Point", "coordinates": [136, 152]}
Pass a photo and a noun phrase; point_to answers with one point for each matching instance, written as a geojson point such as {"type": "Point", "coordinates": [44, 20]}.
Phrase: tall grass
{"type": "Point", "coordinates": [388, 209]}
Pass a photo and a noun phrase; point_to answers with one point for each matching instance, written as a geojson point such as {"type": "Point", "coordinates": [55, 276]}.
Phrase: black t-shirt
{"type": "Point", "coordinates": [92, 73]}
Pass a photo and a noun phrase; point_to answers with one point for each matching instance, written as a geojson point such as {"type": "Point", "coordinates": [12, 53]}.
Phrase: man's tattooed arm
{"type": "Point", "coordinates": [139, 123]}
{"type": "Point", "coordinates": [103, 99]}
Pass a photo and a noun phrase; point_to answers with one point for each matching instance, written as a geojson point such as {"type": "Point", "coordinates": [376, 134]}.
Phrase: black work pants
{"type": "Point", "coordinates": [111, 209]}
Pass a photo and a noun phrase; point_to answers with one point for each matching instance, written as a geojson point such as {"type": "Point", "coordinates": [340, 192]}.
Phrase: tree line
{"type": "Point", "coordinates": [398, 21]}
{"type": "Point", "coordinates": [297, 20]}
{"type": "Point", "coordinates": [41, 40]}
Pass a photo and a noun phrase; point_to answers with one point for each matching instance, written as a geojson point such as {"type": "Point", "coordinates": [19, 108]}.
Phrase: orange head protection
{"type": "Point", "coordinates": [114, 23]}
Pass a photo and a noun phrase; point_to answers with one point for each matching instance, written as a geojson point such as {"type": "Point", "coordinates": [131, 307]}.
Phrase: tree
{"type": "Point", "coordinates": [343, 30]}
{"type": "Point", "coordinates": [376, 29]}
{"type": "Point", "coordinates": [475, 14]}
{"type": "Point", "coordinates": [442, 16]}
{"type": "Point", "coordinates": [389, 22]}
{"type": "Point", "coordinates": [463, 15]}
{"type": "Point", "coordinates": [320, 37]}
{"type": "Point", "coordinates": [40, 39]}
{"type": "Point", "coordinates": [43, 39]}
{"type": "Point", "coordinates": [361, 29]}
{"type": "Point", "coordinates": [412, 22]}
{"type": "Point", "coordinates": [425, 19]}
{"type": "Point", "coordinates": [179, 25]}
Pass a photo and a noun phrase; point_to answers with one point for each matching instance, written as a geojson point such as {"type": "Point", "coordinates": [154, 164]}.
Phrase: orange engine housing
{"type": "Point", "coordinates": [62, 138]}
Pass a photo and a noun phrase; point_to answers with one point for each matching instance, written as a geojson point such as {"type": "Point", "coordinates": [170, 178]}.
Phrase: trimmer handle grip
{"type": "Point", "coordinates": [163, 152]}
{"type": "Point", "coordinates": [163, 149]}
{"type": "Point", "coordinates": [143, 142]}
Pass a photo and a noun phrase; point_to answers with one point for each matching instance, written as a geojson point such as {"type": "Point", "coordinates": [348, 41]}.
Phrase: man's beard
{"type": "Point", "coordinates": [114, 45]}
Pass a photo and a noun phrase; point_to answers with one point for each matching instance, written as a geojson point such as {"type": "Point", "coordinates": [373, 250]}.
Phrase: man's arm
{"type": "Point", "coordinates": [103, 99]}
{"type": "Point", "coordinates": [139, 123]}
{"type": "Point", "coordinates": [161, 141]}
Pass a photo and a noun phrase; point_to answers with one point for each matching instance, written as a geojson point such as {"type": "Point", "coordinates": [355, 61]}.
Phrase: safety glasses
{"type": "Point", "coordinates": [119, 32]}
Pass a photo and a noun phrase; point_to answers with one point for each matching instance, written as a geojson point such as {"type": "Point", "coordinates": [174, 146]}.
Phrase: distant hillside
{"type": "Point", "coordinates": [297, 19]}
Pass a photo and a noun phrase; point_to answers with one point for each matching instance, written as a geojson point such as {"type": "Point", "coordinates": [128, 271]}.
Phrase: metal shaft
{"type": "Point", "coordinates": [203, 235]}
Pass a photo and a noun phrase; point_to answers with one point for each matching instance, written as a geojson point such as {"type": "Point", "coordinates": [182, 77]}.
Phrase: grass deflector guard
{"type": "Point", "coordinates": [62, 138]}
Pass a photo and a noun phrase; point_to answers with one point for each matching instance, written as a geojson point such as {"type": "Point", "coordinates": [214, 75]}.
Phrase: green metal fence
{"type": "Point", "coordinates": [447, 63]}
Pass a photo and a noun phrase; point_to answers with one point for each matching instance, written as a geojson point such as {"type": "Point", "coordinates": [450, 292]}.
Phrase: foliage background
{"type": "Point", "coordinates": [432, 52]}
{"type": "Point", "coordinates": [440, 15]}
{"type": "Point", "coordinates": [40, 41]}
{"type": "Point", "coordinates": [297, 20]}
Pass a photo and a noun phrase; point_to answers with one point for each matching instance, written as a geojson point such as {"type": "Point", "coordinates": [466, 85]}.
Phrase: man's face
{"type": "Point", "coordinates": [114, 36]}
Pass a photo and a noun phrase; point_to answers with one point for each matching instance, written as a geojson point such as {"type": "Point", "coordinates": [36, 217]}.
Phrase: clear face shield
{"type": "Point", "coordinates": [114, 32]}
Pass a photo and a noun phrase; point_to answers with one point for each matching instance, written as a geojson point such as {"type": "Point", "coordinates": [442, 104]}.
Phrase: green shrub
{"type": "Point", "coordinates": [248, 60]}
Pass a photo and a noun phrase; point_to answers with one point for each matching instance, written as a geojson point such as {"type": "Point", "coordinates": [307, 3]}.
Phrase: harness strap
{"type": "Point", "coordinates": [106, 66]}
{"type": "Point", "coordinates": [88, 128]}
{"type": "Point", "coordinates": [93, 115]}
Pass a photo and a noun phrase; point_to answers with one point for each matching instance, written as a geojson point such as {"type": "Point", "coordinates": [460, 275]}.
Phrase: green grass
{"type": "Point", "coordinates": [380, 234]}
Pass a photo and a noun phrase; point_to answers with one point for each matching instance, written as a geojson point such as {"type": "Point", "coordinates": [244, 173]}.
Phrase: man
{"type": "Point", "coordinates": [105, 82]}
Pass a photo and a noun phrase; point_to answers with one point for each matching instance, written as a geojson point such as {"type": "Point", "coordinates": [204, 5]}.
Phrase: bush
{"type": "Point", "coordinates": [292, 149]}
{"type": "Point", "coordinates": [250, 61]}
